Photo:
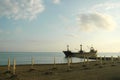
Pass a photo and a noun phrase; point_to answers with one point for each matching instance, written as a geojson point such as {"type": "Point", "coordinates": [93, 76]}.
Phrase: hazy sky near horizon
{"type": "Point", "coordinates": [49, 25]}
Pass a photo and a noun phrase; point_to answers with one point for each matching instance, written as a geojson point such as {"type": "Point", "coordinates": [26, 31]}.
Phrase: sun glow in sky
{"type": "Point", "coordinates": [49, 25]}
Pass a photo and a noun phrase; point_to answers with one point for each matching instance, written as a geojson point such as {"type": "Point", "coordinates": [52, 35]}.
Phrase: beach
{"type": "Point", "coordinates": [75, 71]}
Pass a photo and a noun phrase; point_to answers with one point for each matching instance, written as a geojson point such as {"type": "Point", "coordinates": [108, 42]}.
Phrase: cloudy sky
{"type": "Point", "coordinates": [49, 25]}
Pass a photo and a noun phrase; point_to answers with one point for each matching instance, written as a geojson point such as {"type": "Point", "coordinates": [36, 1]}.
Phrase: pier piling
{"type": "Point", "coordinates": [8, 64]}
{"type": "Point", "coordinates": [14, 66]}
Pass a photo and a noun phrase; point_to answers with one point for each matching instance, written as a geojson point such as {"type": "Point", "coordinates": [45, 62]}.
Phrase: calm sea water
{"type": "Point", "coordinates": [41, 57]}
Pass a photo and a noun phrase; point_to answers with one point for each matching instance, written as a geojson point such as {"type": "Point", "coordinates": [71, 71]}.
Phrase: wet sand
{"type": "Point", "coordinates": [77, 71]}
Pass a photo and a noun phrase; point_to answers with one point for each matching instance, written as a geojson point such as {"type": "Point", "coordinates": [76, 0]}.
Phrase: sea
{"type": "Point", "coordinates": [42, 57]}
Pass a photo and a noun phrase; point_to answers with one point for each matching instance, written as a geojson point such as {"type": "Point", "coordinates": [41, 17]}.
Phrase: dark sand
{"type": "Point", "coordinates": [78, 71]}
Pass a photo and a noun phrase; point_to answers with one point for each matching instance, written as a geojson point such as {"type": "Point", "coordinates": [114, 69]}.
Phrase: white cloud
{"type": "Point", "coordinates": [56, 1]}
{"type": "Point", "coordinates": [21, 9]}
{"type": "Point", "coordinates": [106, 6]}
{"type": "Point", "coordinates": [92, 21]}
{"type": "Point", "coordinates": [72, 35]}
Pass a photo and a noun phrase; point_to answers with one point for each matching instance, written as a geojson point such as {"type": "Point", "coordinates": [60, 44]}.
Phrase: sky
{"type": "Point", "coordinates": [50, 25]}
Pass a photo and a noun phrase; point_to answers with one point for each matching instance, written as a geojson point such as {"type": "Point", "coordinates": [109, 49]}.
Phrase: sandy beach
{"type": "Point", "coordinates": [76, 71]}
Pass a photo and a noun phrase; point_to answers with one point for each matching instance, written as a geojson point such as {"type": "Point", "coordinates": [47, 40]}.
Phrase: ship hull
{"type": "Point", "coordinates": [80, 54]}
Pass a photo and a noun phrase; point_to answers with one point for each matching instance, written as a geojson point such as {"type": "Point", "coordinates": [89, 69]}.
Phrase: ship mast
{"type": "Point", "coordinates": [81, 47]}
{"type": "Point", "coordinates": [67, 47]}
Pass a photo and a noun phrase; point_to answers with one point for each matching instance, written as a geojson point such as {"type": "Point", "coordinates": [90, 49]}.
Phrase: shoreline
{"type": "Point", "coordinates": [94, 70]}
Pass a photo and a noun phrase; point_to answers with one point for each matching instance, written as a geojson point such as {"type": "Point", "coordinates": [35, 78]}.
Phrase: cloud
{"type": "Point", "coordinates": [95, 20]}
{"type": "Point", "coordinates": [56, 1]}
{"type": "Point", "coordinates": [106, 6]}
{"type": "Point", "coordinates": [18, 30]}
{"type": "Point", "coordinates": [1, 31]}
{"type": "Point", "coordinates": [4, 32]}
{"type": "Point", "coordinates": [21, 9]}
{"type": "Point", "coordinates": [72, 35]}
{"type": "Point", "coordinates": [64, 18]}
